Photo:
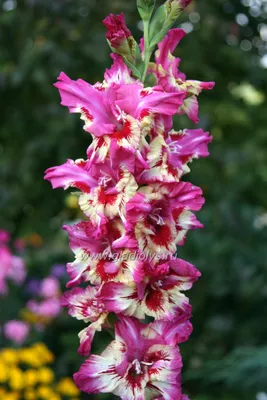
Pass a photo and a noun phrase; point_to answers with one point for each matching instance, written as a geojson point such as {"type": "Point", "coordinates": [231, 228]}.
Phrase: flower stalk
{"type": "Point", "coordinates": [137, 209]}
{"type": "Point", "coordinates": [147, 49]}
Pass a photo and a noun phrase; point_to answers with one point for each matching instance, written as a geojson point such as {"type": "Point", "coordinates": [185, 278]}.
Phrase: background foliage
{"type": "Point", "coordinates": [226, 357]}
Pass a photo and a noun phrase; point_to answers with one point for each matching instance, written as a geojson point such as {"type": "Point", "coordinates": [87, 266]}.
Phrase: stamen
{"type": "Point", "coordinates": [148, 364]}
{"type": "Point", "coordinates": [122, 116]}
{"type": "Point", "coordinates": [158, 219]}
{"type": "Point", "coordinates": [103, 181]}
{"type": "Point", "coordinates": [136, 364]}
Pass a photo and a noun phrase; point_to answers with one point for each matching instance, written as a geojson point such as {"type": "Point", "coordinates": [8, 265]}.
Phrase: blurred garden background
{"type": "Point", "coordinates": [226, 357]}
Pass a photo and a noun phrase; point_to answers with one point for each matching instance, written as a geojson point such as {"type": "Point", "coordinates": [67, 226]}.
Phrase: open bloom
{"type": "Point", "coordinates": [159, 296]}
{"type": "Point", "coordinates": [106, 194]}
{"type": "Point", "coordinates": [133, 366]}
{"type": "Point", "coordinates": [83, 304]}
{"type": "Point", "coordinates": [113, 109]}
{"type": "Point", "coordinates": [95, 260]}
{"type": "Point", "coordinates": [159, 216]}
{"type": "Point", "coordinates": [172, 80]}
{"type": "Point", "coordinates": [170, 153]}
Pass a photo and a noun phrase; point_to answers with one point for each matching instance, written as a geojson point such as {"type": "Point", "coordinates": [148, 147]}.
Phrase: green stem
{"type": "Point", "coordinates": [147, 50]}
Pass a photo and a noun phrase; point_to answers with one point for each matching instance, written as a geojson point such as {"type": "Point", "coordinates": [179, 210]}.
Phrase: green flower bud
{"type": "Point", "coordinates": [164, 19]}
{"type": "Point", "coordinates": [146, 8]}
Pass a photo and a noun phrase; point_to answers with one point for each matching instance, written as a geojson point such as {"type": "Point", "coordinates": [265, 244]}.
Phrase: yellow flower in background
{"type": "Point", "coordinates": [42, 351]}
{"type": "Point", "coordinates": [9, 356]}
{"type": "Point", "coordinates": [29, 357]}
{"type": "Point", "coordinates": [25, 375]}
{"type": "Point", "coordinates": [36, 356]}
{"type": "Point", "coordinates": [67, 387]}
{"type": "Point", "coordinates": [3, 373]}
{"type": "Point", "coordinates": [16, 379]}
{"type": "Point", "coordinates": [46, 375]}
{"type": "Point", "coordinates": [30, 377]}
{"type": "Point", "coordinates": [30, 395]}
{"type": "Point", "coordinates": [2, 393]}
{"type": "Point", "coordinates": [55, 397]}
{"type": "Point", "coordinates": [45, 392]}
{"type": "Point", "coordinates": [12, 396]}
{"type": "Point", "coordinates": [30, 317]}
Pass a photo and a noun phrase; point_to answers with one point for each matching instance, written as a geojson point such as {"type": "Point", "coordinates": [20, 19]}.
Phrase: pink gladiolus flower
{"type": "Point", "coordinates": [133, 366]}
{"type": "Point", "coordinates": [16, 331]}
{"type": "Point", "coordinates": [172, 80]}
{"type": "Point", "coordinates": [138, 210]}
{"type": "Point", "coordinates": [116, 110]}
{"type": "Point", "coordinates": [158, 220]}
{"type": "Point", "coordinates": [84, 304]}
{"type": "Point", "coordinates": [159, 296]}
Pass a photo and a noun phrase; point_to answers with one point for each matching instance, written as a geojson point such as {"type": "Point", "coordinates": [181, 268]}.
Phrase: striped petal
{"type": "Point", "coordinates": [71, 174]}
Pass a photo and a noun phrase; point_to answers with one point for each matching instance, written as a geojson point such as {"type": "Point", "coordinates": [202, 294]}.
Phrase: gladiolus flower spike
{"type": "Point", "coordinates": [137, 210]}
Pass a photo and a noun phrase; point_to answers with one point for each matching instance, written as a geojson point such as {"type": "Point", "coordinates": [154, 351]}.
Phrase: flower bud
{"type": "Point", "coordinates": [118, 35]}
{"type": "Point", "coordinates": [164, 19]}
{"type": "Point", "coordinates": [145, 8]}
{"type": "Point", "coordinates": [180, 3]}
{"type": "Point", "coordinates": [122, 42]}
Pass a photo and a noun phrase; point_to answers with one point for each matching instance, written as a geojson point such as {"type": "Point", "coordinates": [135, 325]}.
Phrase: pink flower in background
{"type": "Point", "coordinates": [12, 267]}
{"type": "Point", "coordinates": [16, 331]}
{"type": "Point", "coordinates": [46, 294]}
{"type": "Point", "coordinates": [4, 237]}
{"type": "Point", "coordinates": [17, 272]}
{"type": "Point", "coordinates": [50, 287]}
{"type": "Point", "coordinates": [46, 301]}
{"type": "Point", "coordinates": [6, 265]}
{"type": "Point", "coordinates": [49, 308]}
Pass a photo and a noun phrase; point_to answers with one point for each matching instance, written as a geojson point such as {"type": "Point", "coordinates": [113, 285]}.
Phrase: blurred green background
{"type": "Point", "coordinates": [226, 357]}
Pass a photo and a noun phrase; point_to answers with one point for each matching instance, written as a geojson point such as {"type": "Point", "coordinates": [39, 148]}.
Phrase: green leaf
{"type": "Point", "coordinates": [133, 68]}
{"type": "Point", "coordinates": [157, 24]}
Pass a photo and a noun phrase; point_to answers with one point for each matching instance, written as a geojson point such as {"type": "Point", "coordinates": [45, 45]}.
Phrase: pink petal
{"type": "Point", "coordinates": [168, 45]}
{"type": "Point", "coordinates": [80, 94]}
{"type": "Point", "coordinates": [72, 174]}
